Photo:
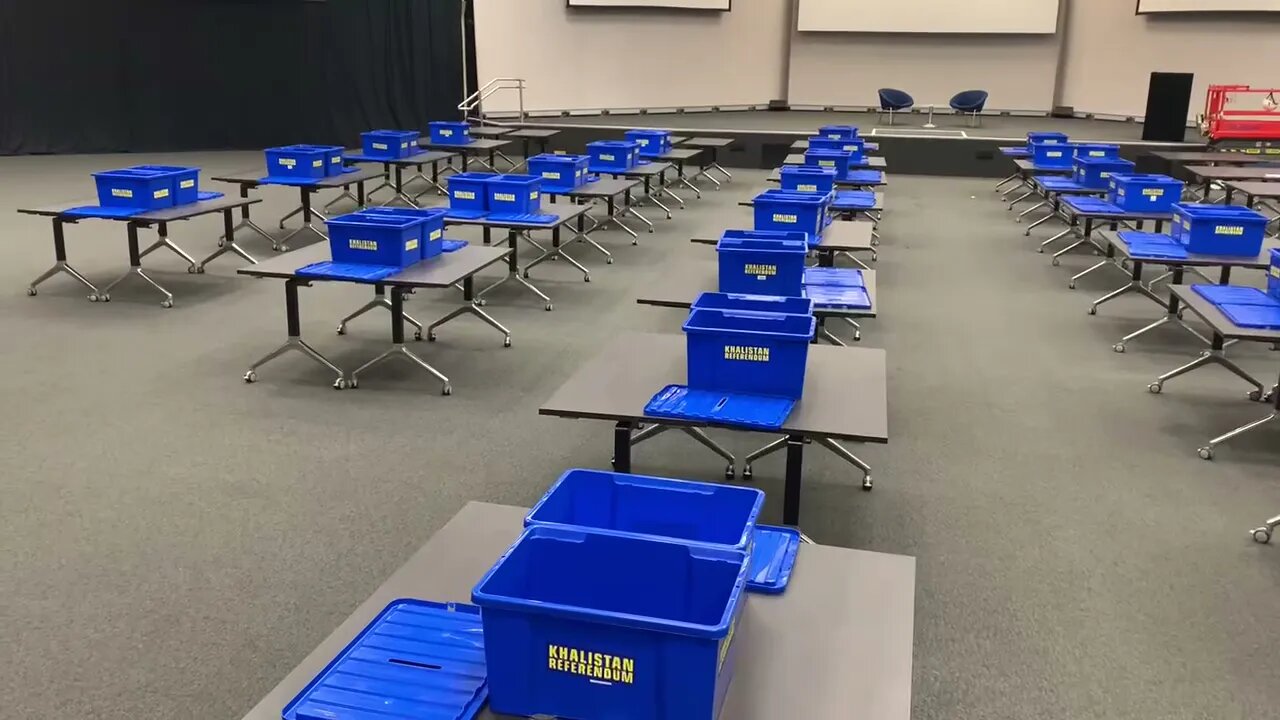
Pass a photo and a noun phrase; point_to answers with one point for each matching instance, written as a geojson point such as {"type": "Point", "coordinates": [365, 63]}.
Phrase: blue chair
{"type": "Point", "coordinates": [892, 101]}
{"type": "Point", "coordinates": [971, 103]}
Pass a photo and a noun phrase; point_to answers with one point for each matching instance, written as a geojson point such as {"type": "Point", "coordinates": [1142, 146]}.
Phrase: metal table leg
{"type": "Point", "coordinates": [433, 182]}
{"type": "Point", "coordinates": [558, 251]}
{"type": "Point", "coordinates": [398, 349]}
{"type": "Point", "coordinates": [615, 217]}
{"type": "Point", "coordinates": [307, 221]}
{"type": "Point", "coordinates": [294, 341]}
{"type": "Point", "coordinates": [681, 179]}
{"type": "Point", "coordinates": [787, 442]}
{"type": "Point", "coordinates": [470, 309]}
{"type": "Point", "coordinates": [715, 165]}
{"type": "Point", "coordinates": [1171, 316]}
{"type": "Point", "coordinates": [379, 301]}
{"type": "Point", "coordinates": [1004, 197]}
{"type": "Point", "coordinates": [1033, 208]}
{"type": "Point", "coordinates": [346, 193]}
{"type": "Point", "coordinates": [513, 272]}
{"type": "Point", "coordinates": [1086, 237]}
{"type": "Point", "coordinates": [1206, 452]}
{"type": "Point", "coordinates": [1006, 181]}
{"type": "Point", "coordinates": [135, 269]}
{"type": "Point", "coordinates": [693, 432]}
{"type": "Point", "coordinates": [245, 222]}
{"type": "Point", "coordinates": [584, 236]}
{"type": "Point", "coordinates": [1213, 356]}
{"type": "Point", "coordinates": [60, 265]}
{"type": "Point", "coordinates": [162, 230]}
{"type": "Point", "coordinates": [228, 244]}
{"type": "Point", "coordinates": [1134, 285]}
{"type": "Point", "coordinates": [651, 196]}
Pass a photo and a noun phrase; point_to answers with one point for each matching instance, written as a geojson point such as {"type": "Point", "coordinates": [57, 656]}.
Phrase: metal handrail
{"type": "Point", "coordinates": [475, 101]}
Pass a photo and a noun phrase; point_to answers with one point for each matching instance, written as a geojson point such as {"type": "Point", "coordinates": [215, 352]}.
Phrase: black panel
{"type": "Point", "coordinates": [1168, 100]}
{"type": "Point", "coordinates": [144, 75]}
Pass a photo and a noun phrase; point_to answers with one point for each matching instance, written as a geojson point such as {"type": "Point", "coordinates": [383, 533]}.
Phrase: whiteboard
{"type": "Point", "coordinates": [1159, 6]}
{"type": "Point", "coordinates": [681, 4]}
{"type": "Point", "coordinates": [930, 16]}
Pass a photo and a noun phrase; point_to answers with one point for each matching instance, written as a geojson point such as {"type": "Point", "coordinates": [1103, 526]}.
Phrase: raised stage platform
{"type": "Point", "coordinates": [951, 148]}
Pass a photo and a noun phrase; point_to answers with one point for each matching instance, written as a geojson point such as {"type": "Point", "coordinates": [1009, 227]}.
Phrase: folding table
{"type": "Point", "coordinates": [608, 190]}
{"type": "Point", "coordinates": [679, 157]}
{"type": "Point", "coordinates": [565, 217]}
{"type": "Point", "coordinates": [1223, 330]}
{"type": "Point", "coordinates": [1012, 152]}
{"type": "Point", "coordinates": [444, 272]}
{"type": "Point", "coordinates": [867, 161]}
{"type": "Point", "coordinates": [803, 145]}
{"type": "Point", "coordinates": [479, 148]}
{"type": "Point", "coordinates": [850, 657]}
{"type": "Point", "coordinates": [62, 215]}
{"type": "Point", "coordinates": [711, 160]}
{"type": "Point", "coordinates": [393, 170]}
{"type": "Point", "coordinates": [849, 214]}
{"type": "Point", "coordinates": [1118, 250]}
{"type": "Point", "coordinates": [680, 287]}
{"type": "Point", "coordinates": [881, 180]}
{"type": "Point", "coordinates": [1025, 169]}
{"type": "Point", "coordinates": [1211, 157]}
{"type": "Point", "coordinates": [1257, 194]}
{"type": "Point", "coordinates": [1207, 175]}
{"type": "Point", "coordinates": [840, 238]}
{"type": "Point", "coordinates": [1091, 217]}
{"type": "Point", "coordinates": [306, 188]}
{"type": "Point", "coordinates": [529, 135]}
{"type": "Point", "coordinates": [844, 398]}
{"type": "Point", "coordinates": [649, 173]}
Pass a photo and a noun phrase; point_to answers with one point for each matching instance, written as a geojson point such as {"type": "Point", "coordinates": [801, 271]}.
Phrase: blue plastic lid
{"type": "Point", "coordinates": [1146, 238]}
{"type": "Point", "coordinates": [838, 277]}
{"type": "Point", "coordinates": [417, 659]}
{"type": "Point", "coordinates": [460, 214]}
{"type": "Point", "coordinates": [1234, 295]}
{"type": "Point", "coordinates": [348, 271]}
{"type": "Point", "coordinates": [838, 298]}
{"type": "Point", "coordinates": [524, 218]}
{"type": "Point", "coordinates": [1252, 316]}
{"type": "Point", "coordinates": [761, 412]}
{"type": "Point", "coordinates": [773, 555]}
{"type": "Point", "coordinates": [102, 211]}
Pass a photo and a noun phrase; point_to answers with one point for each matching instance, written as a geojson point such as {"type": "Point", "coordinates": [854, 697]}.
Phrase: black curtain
{"type": "Point", "coordinates": [150, 75]}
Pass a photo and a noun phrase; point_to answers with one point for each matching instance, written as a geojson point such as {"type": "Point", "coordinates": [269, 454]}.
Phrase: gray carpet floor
{"type": "Point", "coordinates": [172, 540]}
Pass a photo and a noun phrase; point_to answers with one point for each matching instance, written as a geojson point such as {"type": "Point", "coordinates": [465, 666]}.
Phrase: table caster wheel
{"type": "Point", "coordinates": [353, 383]}
{"type": "Point", "coordinates": [730, 472]}
{"type": "Point", "coordinates": [857, 337]}
{"type": "Point", "coordinates": [866, 484]}
{"type": "Point", "coordinates": [342, 330]}
{"type": "Point", "coordinates": [1206, 453]}
{"type": "Point", "coordinates": [1093, 311]}
{"type": "Point", "coordinates": [31, 291]}
{"type": "Point", "coordinates": [446, 390]}
{"type": "Point", "coordinates": [650, 232]}
{"type": "Point", "coordinates": [550, 307]}
{"type": "Point", "coordinates": [417, 335]}
{"type": "Point", "coordinates": [431, 336]}
{"type": "Point", "coordinates": [1071, 285]}
{"type": "Point", "coordinates": [199, 269]}
{"type": "Point", "coordinates": [506, 342]}
{"type": "Point", "coordinates": [1255, 395]}
{"type": "Point", "coordinates": [1155, 388]}
{"type": "Point", "coordinates": [480, 302]}
{"type": "Point", "coordinates": [1118, 347]}
{"type": "Point", "coordinates": [166, 303]}
{"type": "Point", "coordinates": [340, 384]}
{"type": "Point", "coordinates": [93, 297]}
{"type": "Point", "coordinates": [608, 261]}
{"type": "Point", "coordinates": [1180, 314]}
{"type": "Point", "coordinates": [526, 274]}
{"type": "Point", "coordinates": [613, 463]}
{"type": "Point", "coordinates": [1055, 262]}
{"type": "Point", "coordinates": [586, 278]}
{"type": "Point", "coordinates": [1262, 535]}
{"type": "Point", "coordinates": [192, 270]}
{"type": "Point", "coordinates": [251, 377]}
{"type": "Point", "coordinates": [668, 216]}
{"type": "Point", "coordinates": [1040, 250]}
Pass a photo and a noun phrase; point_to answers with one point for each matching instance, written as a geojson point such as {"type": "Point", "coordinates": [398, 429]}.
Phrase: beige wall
{"type": "Point", "coordinates": [848, 68]}
{"type": "Point", "coordinates": [586, 59]}
{"type": "Point", "coordinates": [1111, 53]}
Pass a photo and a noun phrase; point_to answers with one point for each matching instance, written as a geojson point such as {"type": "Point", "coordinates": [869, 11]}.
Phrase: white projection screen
{"type": "Point", "coordinates": [676, 4]}
{"type": "Point", "coordinates": [1176, 6]}
{"type": "Point", "coordinates": [931, 16]}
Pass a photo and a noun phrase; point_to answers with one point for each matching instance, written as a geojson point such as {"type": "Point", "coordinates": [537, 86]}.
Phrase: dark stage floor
{"type": "Point", "coordinates": [998, 128]}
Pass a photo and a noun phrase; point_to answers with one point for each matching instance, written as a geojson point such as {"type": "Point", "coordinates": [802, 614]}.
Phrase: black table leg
{"type": "Point", "coordinates": [795, 468]}
{"type": "Point", "coordinates": [622, 447]}
{"type": "Point", "coordinates": [1224, 277]}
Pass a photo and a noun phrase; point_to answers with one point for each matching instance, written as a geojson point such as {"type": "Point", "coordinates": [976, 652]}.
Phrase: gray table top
{"type": "Point", "coordinates": [868, 161]}
{"type": "Point", "coordinates": [491, 131]}
{"type": "Point", "coordinates": [180, 212]}
{"type": "Point", "coordinates": [677, 139]}
{"type": "Point", "coordinates": [680, 287]}
{"type": "Point", "coordinates": [1214, 158]}
{"type": "Point", "coordinates": [878, 206]}
{"type": "Point", "coordinates": [479, 144]}
{"type": "Point", "coordinates": [840, 235]}
{"type": "Point", "coordinates": [254, 178]}
{"type": "Point", "coordinates": [681, 154]}
{"type": "Point", "coordinates": [564, 212]}
{"type": "Point", "coordinates": [1218, 172]}
{"type": "Point", "coordinates": [845, 393]}
{"type": "Point", "coordinates": [605, 187]}
{"type": "Point", "coordinates": [1256, 188]}
{"type": "Point", "coordinates": [1263, 259]}
{"type": "Point", "coordinates": [709, 142]}
{"type": "Point", "coordinates": [1219, 322]}
{"type": "Point", "coordinates": [355, 155]}
{"type": "Point", "coordinates": [836, 644]}
{"type": "Point", "coordinates": [1122, 215]}
{"type": "Point", "coordinates": [1025, 165]}
{"type": "Point", "coordinates": [654, 167]}
{"type": "Point", "coordinates": [535, 133]}
{"type": "Point", "coordinates": [443, 271]}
